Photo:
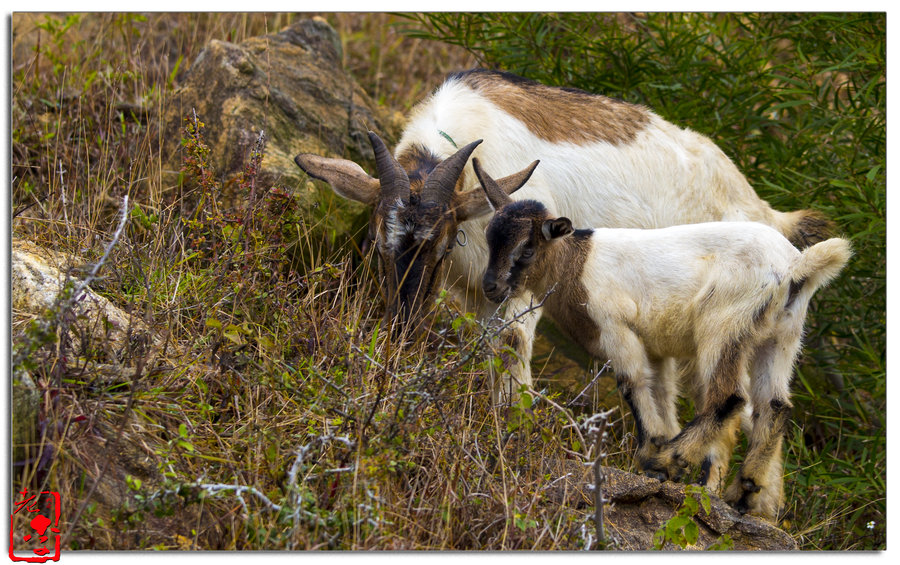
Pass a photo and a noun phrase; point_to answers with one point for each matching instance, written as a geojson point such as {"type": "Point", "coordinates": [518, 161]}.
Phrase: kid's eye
{"type": "Point", "coordinates": [527, 253]}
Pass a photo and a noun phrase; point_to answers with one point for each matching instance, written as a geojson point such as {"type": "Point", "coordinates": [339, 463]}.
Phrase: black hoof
{"type": "Point", "coordinates": [653, 474]}
{"type": "Point", "coordinates": [750, 485]}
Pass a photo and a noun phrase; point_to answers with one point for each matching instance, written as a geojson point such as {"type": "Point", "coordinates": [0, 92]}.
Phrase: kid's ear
{"type": "Point", "coordinates": [560, 227]}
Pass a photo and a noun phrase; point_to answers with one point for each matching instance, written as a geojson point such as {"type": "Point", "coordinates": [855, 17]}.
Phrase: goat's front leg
{"type": "Point", "coordinates": [636, 378]}
{"type": "Point", "coordinates": [517, 338]}
{"type": "Point", "coordinates": [666, 388]}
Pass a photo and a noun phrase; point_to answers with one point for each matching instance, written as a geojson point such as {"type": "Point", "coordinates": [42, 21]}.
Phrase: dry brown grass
{"type": "Point", "coordinates": [274, 411]}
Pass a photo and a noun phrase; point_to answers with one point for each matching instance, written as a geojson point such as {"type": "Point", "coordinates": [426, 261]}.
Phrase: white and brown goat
{"type": "Point", "coordinates": [604, 163]}
{"type": "Point", "coordinates": [728, 299]}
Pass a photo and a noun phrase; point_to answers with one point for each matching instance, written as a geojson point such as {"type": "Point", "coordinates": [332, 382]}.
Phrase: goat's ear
{"type": "Point", "coordinates": [560, 227]}
{"type": "Point", "coordinates": [346, 178]}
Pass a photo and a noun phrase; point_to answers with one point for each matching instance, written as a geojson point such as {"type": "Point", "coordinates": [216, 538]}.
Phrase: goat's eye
{"type": "Point", "coordinates": [527, 253]}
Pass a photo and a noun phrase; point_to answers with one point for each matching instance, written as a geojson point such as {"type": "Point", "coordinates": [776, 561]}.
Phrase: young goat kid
{"type": "Point", "coordinates": [727, 298]}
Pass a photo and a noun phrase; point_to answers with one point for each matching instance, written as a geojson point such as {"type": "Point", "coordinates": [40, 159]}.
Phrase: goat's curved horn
{"type": "Point", "coordinates": [394, 181]}
{"type": "Point", "coordinates": [441, 183]}
{"type": "Point", "coordinates": [496, 195]}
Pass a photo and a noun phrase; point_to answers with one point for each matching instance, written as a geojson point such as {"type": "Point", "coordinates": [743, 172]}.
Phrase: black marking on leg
{"type": "Point", "coordinates": [625, 387]}
{"type": "Point", "coordinates": [725, 410]}
{"type": "Point", "coordinates": [705, 469]}
{"type": "Point", "coordinates": [761, 311]}
{"type": "Point", "coordinates": [781, 416]}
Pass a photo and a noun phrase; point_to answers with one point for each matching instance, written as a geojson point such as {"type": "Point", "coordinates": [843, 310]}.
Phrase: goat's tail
{"type": "Point", "coordinates": [805, 228]}
{"type": "Point", "coordinates": [817, 266]}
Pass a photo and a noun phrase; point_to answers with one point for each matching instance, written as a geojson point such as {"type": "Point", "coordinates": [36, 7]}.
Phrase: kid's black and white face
{"type": "Point", "coordinates": [512, 248]}
{"type": "Point", "coordinates": [516, 238]}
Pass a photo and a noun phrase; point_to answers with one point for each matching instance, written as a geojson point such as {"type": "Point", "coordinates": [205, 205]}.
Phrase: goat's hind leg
{"type": "Point", "coordinates": [758, 488]}
{"type": "Point", "coordinates": [708, 439]}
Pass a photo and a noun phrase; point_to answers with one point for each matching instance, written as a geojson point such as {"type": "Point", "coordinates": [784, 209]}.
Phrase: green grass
{"type": "Point", "coordinates": [276, 412]}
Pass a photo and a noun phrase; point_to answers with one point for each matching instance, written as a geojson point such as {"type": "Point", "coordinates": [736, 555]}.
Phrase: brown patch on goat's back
{"type": "Point", "coordinates": [560, 114]}
{"type": "Point", "coordinates": [810, 228]}
{"type": "Point", "coordinates": [793, 290]}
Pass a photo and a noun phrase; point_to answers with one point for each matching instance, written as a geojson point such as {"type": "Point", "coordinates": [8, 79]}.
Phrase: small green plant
{"type": "Point", "coordinates": [681, 529]}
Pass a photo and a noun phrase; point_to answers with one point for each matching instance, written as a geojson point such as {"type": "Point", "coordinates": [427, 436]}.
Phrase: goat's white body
{"type": "Point", "coordinates": [665, 176]}
{"type": "Point", "coordinates": [728, 300]}
{"type": "Point", "coordinates": [663, 282]}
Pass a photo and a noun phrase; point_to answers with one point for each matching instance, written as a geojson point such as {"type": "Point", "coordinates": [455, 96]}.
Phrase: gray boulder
{"type": "Point", "coordinates": [292, 86]}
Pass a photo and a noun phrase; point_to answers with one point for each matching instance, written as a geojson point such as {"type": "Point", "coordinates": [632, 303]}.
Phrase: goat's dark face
{"type": "Point", "coordinates": [416, 212]}
{"type": "Point", "coordinates": [412, 238]}
{"type": "Point", "coordinates": [517, 237]}
{"type": "Point", "coordinates": [514, 243]}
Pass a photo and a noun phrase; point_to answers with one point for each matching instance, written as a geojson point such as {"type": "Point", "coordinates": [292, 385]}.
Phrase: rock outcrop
{"type": "Point", "coordinates": [292, 86]}
{"type": "Point", "coordinates": [639, 506]}
{"type": "Point", "coordinates": [37, 277]}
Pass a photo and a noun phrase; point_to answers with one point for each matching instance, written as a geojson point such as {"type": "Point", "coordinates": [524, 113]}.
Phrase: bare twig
{"type": "Point", "coordinates": [590, 384]}
{"type": "Point", "coordinates": [596, 425]}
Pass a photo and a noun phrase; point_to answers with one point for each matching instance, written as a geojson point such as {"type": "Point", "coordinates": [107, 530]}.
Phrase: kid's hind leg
{"type": "Point", "coordinates": [758, 488]}
{"type": "Point", "coordinates": [709, 438]}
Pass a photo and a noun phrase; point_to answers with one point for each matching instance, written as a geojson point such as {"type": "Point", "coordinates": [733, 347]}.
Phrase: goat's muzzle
{"type": "Point", "coordinates": [495, 291]}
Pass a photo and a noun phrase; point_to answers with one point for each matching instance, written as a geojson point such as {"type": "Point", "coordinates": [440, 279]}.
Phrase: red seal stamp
{"type": "Point", "coordinates": [35, 518]}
